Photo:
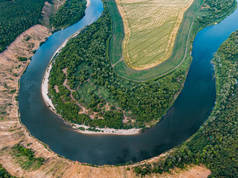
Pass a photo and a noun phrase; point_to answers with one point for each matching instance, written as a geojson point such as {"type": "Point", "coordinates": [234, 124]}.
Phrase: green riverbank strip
{"type": "Point", "coordinates": [216, 143]}
{"type": "Point", "coordinates": [194, 20]}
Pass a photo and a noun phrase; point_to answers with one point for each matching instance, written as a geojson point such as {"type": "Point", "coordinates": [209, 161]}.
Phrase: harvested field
{"type": "Point", "coordinates": [150, 29]}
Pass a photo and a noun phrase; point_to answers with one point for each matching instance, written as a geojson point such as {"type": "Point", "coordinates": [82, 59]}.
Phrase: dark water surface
{"type": "Point", "coordinates": [187, 114]}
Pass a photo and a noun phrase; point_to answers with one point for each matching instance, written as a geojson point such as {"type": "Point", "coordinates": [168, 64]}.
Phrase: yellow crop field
{"type": "Point", "coordinates": [150, 28]}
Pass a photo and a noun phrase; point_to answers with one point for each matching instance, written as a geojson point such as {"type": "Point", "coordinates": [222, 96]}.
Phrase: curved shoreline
{"type": "Point", "coordinates": [45, 80]}
{"type": "Point", "coordinates": [78, 127]}
{"type": "Point", "coordinates": [52, 129]}
{"type": "Point", "coordinates": [52, 158]}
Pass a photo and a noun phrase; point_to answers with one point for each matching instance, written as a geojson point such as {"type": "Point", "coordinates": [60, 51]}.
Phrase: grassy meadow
{"type": "Point", "coordinates": [150, 30]}
{"type": "Point", "coordinates": [180, 50]}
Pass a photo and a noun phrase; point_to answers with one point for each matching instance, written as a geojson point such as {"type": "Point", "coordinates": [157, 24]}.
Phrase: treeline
{"type": "Point", "coordinates": [215, 10]}
{"type": "Point", "coordinates": [17, 16]}
{"type": "Point", "coordinates": [216, 143]}
{"type": "Point", "coordinates": [96, 85]}
{"type": "Point", "coordinates": [230, 48]}
{"type": "Point", "coordinates": [71, 12]}
{"type": "Point", "coordinates": [4, 173]}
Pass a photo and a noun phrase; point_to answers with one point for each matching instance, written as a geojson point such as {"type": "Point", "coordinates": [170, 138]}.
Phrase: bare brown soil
{"type": "Point", "coordinates": [49, 9]}
{"type": "Point", "coordinates": [11, 68]}
{"type": "Point", "coordinates": [46, 12]}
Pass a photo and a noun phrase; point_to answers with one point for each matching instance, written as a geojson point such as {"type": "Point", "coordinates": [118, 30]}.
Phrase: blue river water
{"type": "Point", "coordinates": [184, 118]}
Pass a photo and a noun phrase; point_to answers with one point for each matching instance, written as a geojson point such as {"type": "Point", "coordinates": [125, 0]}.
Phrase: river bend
{"type": "Point", "coordinates": [189, 111]}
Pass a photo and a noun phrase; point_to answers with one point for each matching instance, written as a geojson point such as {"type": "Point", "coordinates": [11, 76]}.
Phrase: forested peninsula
{"type": "Point", "coordinates": [85, 89]}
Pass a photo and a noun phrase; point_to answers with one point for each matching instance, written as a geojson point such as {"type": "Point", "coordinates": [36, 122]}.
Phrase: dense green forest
{"type": "Point", "coordinates": [110, 100]}
{"type": "Point", "coordinates": [71, 12]}
{"type": "Point", "coordinates": [4, 173]}
{"type": "Point", "coordinates": [16, 17]}
{"type": "Point", "coordinates": [216, 143]}
{"type": "Point", "coordinates": [215, 10]}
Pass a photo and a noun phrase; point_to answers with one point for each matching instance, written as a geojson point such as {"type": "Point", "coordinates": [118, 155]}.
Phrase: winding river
{"type": "Point", "coordinates": [190, 110]}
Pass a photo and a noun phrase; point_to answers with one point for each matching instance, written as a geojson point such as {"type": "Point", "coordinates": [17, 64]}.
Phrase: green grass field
{"type": "Point", "coordinates": [182, 41]}
{"type": "Point", "coordinates": [150, 29]}
{"type": "Point", "coordinates": [115, 49]}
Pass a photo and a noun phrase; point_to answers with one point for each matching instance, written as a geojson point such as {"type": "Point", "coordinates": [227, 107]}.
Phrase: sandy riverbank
{"type": "Point", "coordinates": [80, 128]}
{"type": "Point", "coordinates": [88, 3]}
{"type": "Point", "coordinates": [105, 131]}
{"type": "Point", "coordinates": [45, 81]}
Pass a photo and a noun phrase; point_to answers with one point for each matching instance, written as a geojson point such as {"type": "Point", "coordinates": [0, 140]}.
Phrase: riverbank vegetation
{"type": "Point", "coordinates": [86, 89]}
{"type": "Point", "coordinates": [25, 157]}
{"type": "Point", "coordinates": [215, 9]}
{"type": "Point", "coordinates": [4, 173]}
{"type": "Point", "coordinates": [71, 12]}
{"type": "Point", "coordinates": [16, 17]}
{"type": "Point", "coordinates": [215, 144]}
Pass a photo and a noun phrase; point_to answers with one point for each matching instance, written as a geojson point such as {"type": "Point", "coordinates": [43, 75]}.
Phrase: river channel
{"type": "Point", "coordinates": [184, 118]}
